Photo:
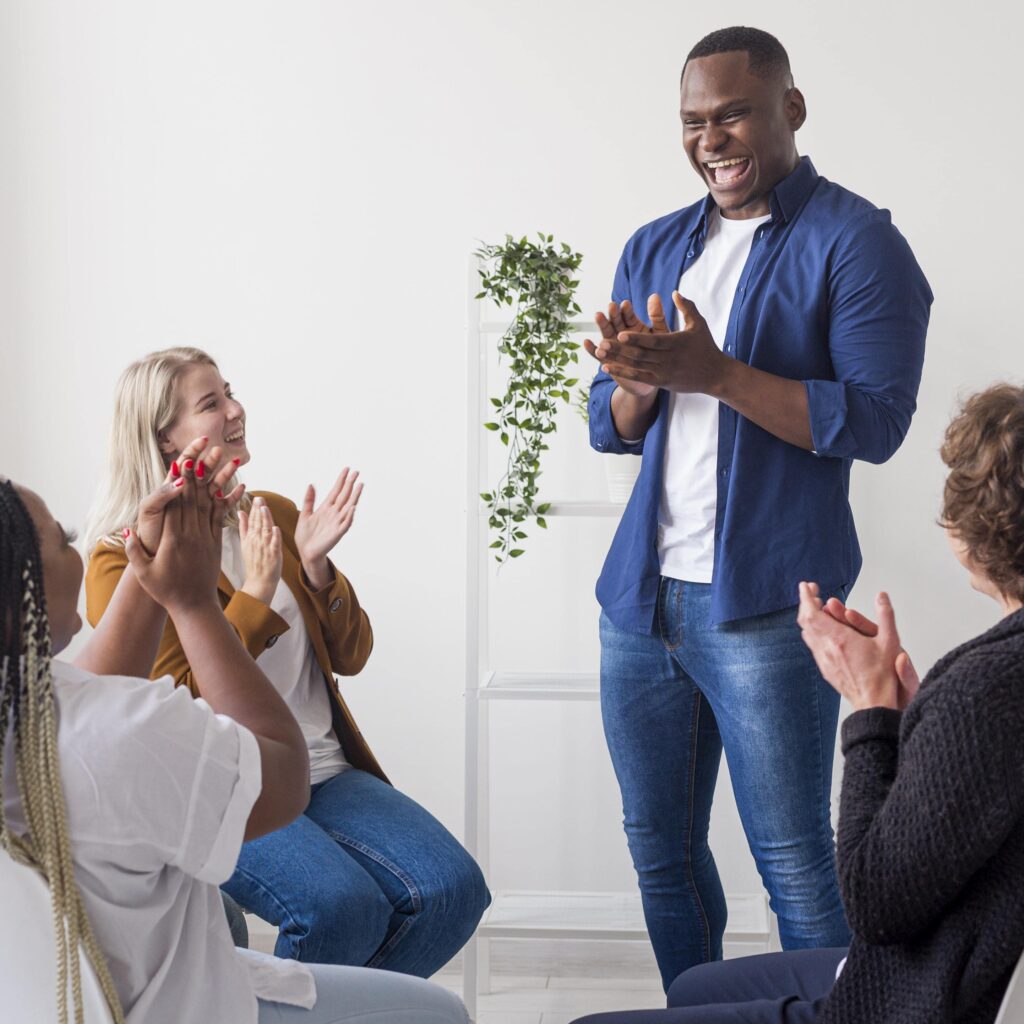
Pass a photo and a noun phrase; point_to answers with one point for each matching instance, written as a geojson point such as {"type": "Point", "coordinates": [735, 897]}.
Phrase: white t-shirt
{"type": "Point", "coordinates": [292, 667]}
{"type": "Point", "coordinates": [159, 790]}
{"type": "Point", "coordinates": [689, 492]}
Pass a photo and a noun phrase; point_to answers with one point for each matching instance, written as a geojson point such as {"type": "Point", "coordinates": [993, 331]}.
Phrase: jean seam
{"type": "Point", "coordinates": [694, 729]}
{"type": "Point", "coordinates": [406, 880]}
{"type": "Point", "coordinates": [273, 897]}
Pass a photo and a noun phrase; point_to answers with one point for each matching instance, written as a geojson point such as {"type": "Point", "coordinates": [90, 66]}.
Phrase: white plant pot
{"type": "Point", "coordinates": [622, 471]}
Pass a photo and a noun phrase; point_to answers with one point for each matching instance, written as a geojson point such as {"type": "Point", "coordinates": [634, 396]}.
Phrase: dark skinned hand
{"type": "Point", "coordinates": [685, 361]}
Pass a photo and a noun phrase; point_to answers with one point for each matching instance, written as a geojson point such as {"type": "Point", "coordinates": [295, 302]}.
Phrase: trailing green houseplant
{"type": "Point", "coordinates": [538, 281]}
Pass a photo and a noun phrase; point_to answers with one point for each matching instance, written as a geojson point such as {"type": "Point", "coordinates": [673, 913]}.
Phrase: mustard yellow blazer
{"type": "Point", "coordinates": [338, 628]}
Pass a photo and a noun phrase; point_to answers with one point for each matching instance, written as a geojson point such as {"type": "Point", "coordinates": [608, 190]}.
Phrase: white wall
{"type": "Point", "coordinates": [296, 187]}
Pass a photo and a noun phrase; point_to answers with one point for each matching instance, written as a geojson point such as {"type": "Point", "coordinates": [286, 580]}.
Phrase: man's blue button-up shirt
{"type": "Point", "coordinates": [830, 295]}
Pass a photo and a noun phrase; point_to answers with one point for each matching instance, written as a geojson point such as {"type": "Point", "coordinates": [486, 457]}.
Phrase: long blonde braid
{"type": "Point", "coordinates": [28, 715]}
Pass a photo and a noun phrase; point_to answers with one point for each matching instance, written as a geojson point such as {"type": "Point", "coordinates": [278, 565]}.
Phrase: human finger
{"type": "Point", "coordinates": [810, 605]}
{"type": "Point", "coordinates": [223, 475]}
{"type": "Point", "coordinates": [138, 557]}
{"type": "Point", "coordinates": [656, 314]}
{"type": "Point", "coordinates": [309, 500]}
{"type": "Point", "coordinates": [243, 524]}
{"type": "Point", "coordinates": [648, 342]}
{"type": "Point", "coordinates": [615, 315]}
{"type": "Point", "coordinates": [343, 496]}
{"type": "Point", "coordinates": [618, 370]}
{"type": "Point", "coordinates": [356, 495]}
{"type": "Point", "coordinates": [591, 349]}
{"type": "Point", "coordinates": [691, 315]}
{"type": "Point", "coordinates": [207, 463]}
{"type": "Point", "coordinates": [886, 618]}
{"type": "Point", "coordinates": [232, 499]}
{"type": "Point", "coordinates": [631, 320]}
{"type": "Point", "coordinates": [907, 673]}
{"type": "Point", "coordinates": [337, 486]}
{"type": "Point", "coordinates": [604, 325]}
{"type": "Point", "coordinates": [192, 451]}
{"type": "Point", "coordinates": [635, 355]}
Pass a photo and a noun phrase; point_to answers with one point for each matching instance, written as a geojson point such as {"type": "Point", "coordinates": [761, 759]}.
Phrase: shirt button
{"type": "Point", "coordinates": [689, 255]}
{"type": "Point", "coordinates": [335, 604]}
{"type": "Point", "coordinates": [725, 471]}
{"type": "Point", "coordinates": [271, 640]}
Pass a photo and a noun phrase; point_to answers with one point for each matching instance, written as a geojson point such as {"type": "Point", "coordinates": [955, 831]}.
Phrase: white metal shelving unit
{"type": "Point", "coordinates": [531, 914]}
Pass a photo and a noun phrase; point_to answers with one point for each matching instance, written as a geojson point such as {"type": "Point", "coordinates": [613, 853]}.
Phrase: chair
{"type": "Point", "coordinates": [1011, 1010]}
{"type": "Point", "coordinates": [28, 952]}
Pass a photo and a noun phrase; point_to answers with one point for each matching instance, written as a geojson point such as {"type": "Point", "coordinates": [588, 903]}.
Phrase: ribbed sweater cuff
{"type": "Point", "coordinates": [871, 724]}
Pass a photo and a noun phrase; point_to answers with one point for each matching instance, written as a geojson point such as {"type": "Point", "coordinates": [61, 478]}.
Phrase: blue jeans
{"type": "Point", "coordinates": [778, 988]}
{"type": "Point", "coordinates": [671, 702]}
{"type": "Point", "coordinates": [364, 877]}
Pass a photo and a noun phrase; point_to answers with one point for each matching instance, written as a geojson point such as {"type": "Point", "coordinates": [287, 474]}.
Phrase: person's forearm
{"type": "Point", "coordinates": [228, 678]}
{"type": "Point", "coordinates": [633, 415]}
{"type": "Point", "coordinates": [231, 682]}
{"type": "Point", "coordinates": [127, 637]}
{"type": "Point", "coordinates": [775, 404]}
{"type": "Point", "coordinates": [318, 572]}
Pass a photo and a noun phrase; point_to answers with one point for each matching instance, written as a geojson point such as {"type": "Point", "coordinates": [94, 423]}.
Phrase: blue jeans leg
{"type": "Point", "coordinates": [777, 718]}
{"type": "Point", "coordinates": [327, 907]}
{"type": "Point", "coordinates": [665, 749]}
{"type": "Point", "coordinates": [365, 877]}
{"type": "Point", "coordinates": [435, 889]}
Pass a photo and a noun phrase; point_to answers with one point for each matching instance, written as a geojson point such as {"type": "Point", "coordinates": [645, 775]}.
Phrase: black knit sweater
{"type": "Point", "coordinates": [931, 843]}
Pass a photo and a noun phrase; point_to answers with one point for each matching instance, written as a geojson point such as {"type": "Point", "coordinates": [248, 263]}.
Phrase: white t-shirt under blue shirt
{"type": "Point", "coordinates": [689, 490]}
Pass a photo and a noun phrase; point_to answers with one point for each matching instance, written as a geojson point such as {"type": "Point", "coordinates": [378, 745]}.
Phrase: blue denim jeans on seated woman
{"type": "Point", "coordinates": [671, 702]}
{"type": "Point", "coordinates": [366, 877]}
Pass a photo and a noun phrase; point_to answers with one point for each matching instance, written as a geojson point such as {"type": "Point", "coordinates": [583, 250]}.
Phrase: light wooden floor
{"type": "Point", "coordinates": [540, 982]}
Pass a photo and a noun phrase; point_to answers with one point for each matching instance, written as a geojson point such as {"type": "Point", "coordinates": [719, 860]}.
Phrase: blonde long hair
{"type": "Point", "coordinates": [145, 403]}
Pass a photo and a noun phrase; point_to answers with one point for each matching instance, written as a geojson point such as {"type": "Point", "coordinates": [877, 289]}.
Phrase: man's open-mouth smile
{"type": "Point", "coordinates": [729, 172]}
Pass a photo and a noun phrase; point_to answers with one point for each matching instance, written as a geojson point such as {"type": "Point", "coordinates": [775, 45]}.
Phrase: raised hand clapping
{"type": "Point", "coordinates": [319, 530]}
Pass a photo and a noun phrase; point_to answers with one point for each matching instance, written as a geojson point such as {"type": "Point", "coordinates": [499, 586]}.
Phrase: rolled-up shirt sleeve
{"type": "Point", "coordinates": [603, 435]}
{"type": "Point", "coordinates": [879, 303]}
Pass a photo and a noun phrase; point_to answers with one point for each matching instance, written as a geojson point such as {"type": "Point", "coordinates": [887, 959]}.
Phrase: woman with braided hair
{"type": "Point", "coordinates": [133, 799]}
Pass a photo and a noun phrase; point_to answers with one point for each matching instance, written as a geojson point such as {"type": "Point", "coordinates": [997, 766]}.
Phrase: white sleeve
{"type": "Point", "coordinates": [227, 783]}
{"type": "Point", "coordinates": [153, 777]}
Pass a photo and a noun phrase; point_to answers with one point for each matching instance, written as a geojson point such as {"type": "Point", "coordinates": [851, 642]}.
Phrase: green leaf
{"type": "Point", "coordinates": [515, 552]}
{"type": "Point", "coordinates": [541, 509]}
{"type": "Point", "coordinates": [542, 523]}
{"type": "Point", "coordinates": [491, 426]}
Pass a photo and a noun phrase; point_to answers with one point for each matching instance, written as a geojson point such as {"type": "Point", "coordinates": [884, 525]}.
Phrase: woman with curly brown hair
{"type": "Point", "coordinates": [931, 826]}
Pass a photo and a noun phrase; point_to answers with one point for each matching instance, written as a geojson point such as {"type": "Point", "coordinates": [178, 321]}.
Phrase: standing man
{"type": "Point", "coordinates": [798, 349]}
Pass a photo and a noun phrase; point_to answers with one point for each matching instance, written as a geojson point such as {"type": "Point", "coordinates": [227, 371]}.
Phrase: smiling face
{"type": "Point", "coordinates": [738, 130]}
{"type": "Point", "coordinates": [62, 571]}
{"type": "Point", "coordinates": [206, 408]}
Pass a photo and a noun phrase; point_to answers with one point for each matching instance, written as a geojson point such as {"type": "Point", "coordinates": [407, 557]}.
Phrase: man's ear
{"type": "Point", "coordinates": [796, 108]}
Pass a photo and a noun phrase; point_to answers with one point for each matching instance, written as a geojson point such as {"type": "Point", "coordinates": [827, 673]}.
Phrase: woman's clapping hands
{"type": "Point", "coordinates": [861, 659]}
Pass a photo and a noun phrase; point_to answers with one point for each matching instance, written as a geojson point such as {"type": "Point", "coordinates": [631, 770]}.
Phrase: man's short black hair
{"type": "Point", "coordinates": [766, 55]}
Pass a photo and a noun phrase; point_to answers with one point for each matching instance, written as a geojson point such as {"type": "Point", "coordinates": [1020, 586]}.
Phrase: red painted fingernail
{"type": "Point", "coordinates": [201, 469]}
{"type": "Point", "coordinates": [188, 464]}
{"type": "Point", "coordinates": [174, 468]}
{"type": "Point", "coordinates": [220, 493]}
{"type": "Point", "coordinates": [126, 534]}
{"type": "Point", "coordinates": [179, 483]}
{"type": "Point", "coordinates": [237, 462]}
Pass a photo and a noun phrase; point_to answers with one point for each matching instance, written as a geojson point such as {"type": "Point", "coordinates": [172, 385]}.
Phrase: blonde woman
{"type": "Point", "coordinates": [365, 876]}
{"type": "Point", "coordinates": [134, 799]}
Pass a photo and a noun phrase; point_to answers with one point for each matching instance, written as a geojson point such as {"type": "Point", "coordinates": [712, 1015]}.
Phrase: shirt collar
{"type": "Point", "coordinates": [785, 200]}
